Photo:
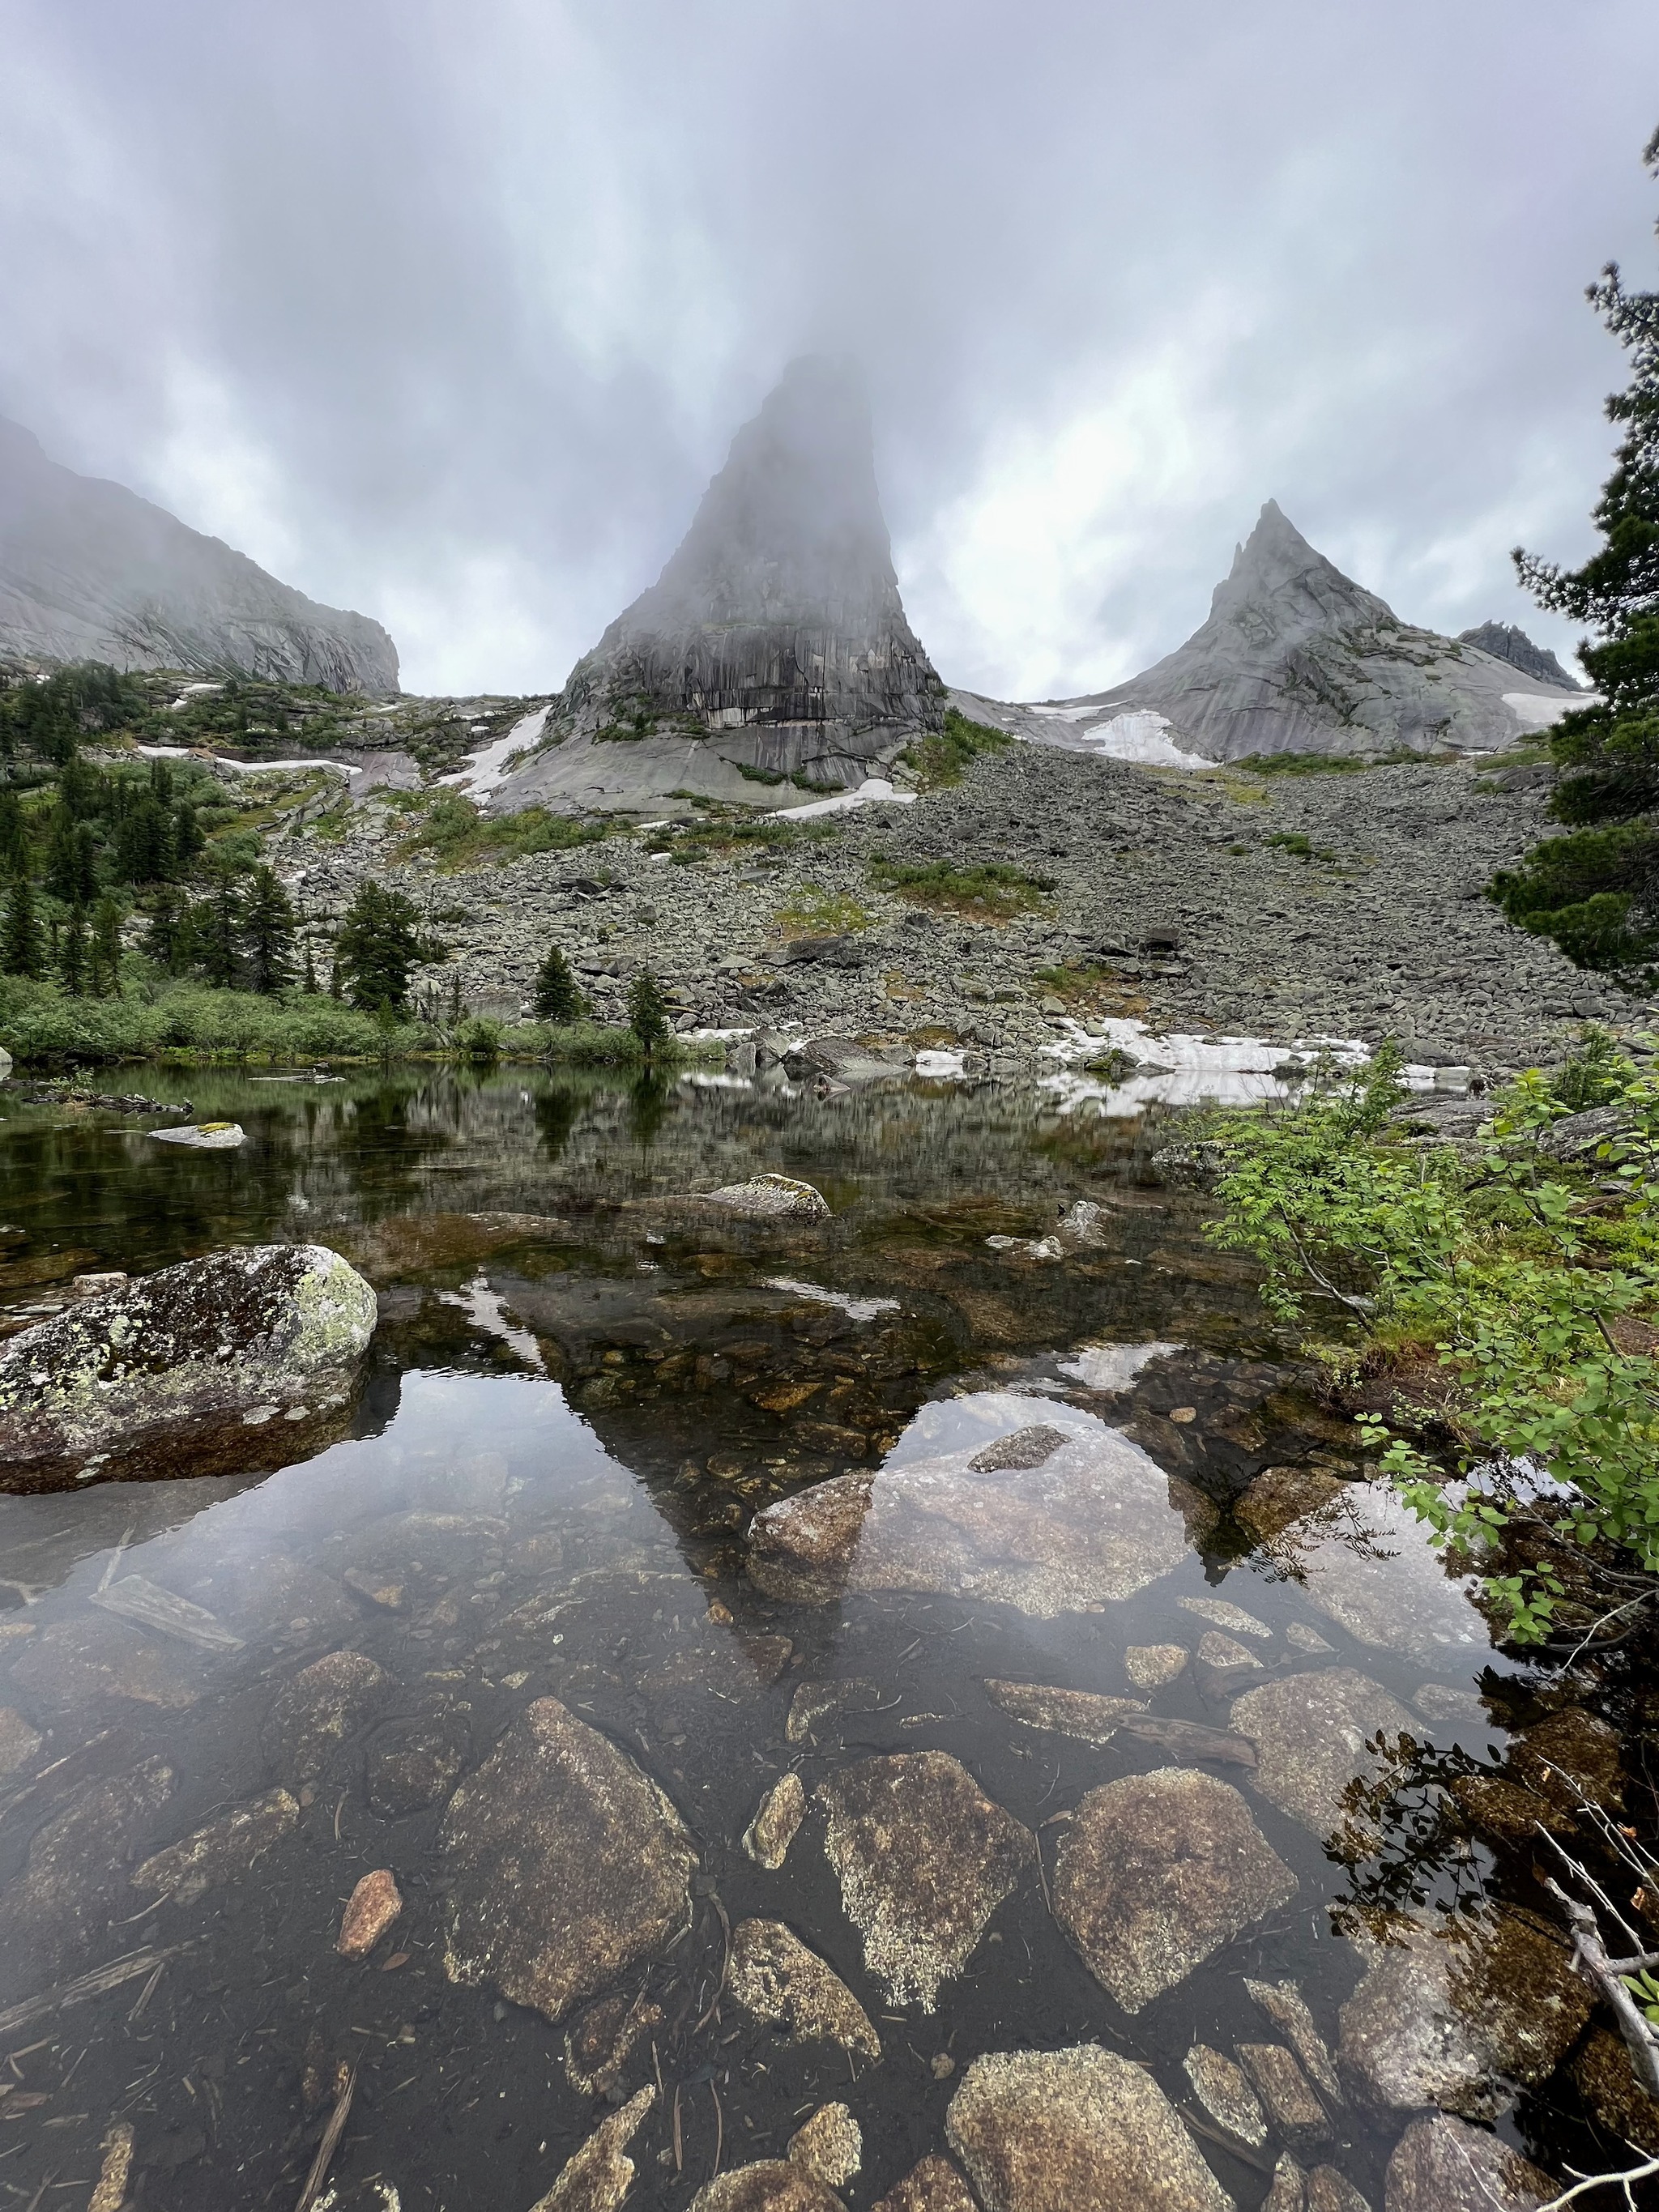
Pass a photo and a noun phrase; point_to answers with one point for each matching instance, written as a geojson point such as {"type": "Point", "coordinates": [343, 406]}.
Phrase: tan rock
{"type": "Point", "coordinates": [1286, 2007]}
{"type": "Point", "coordinates": [1149, 1665]}
{"type": "Point", "coordinates": [1156, 1873]}
{"type": "Point", "coordinates": [1076, 2130]}
{"type": "Point", "coordinates": [1281, 1496]}
{"type": "Point", "coordinates": [774, 1826]}
{"type": "Point", "coordinates": [1079, 1713]}
{"type": "Point", "coordinates": [772, 2185]}
{"type": "Point", "coordinates": [830, 2146]}
{"type": "Point", "coordinates": [934, 2186]}
{"type": "Point", "coordinates": [1286, 2091]}
{"type": "Point", "coordinates": [1442, 2166]}
{"type": "Point", "coordinates": [1289, 2192]}
{"type": "Point", "coordinates": [924, 1858]}
{"type": "Point", "coordinates": [1312, 1735]}
{"type": "Point", "coordinates": [774, 1975]}
{"type": "Point", "coordinates": [1224, 2094]}
{"type": "Point", "coordinates": [224, 1851]}
{"type": "Point", "coordinates": [603, 2038]}
{"type": "Point", "coordinates": [1606, 2080]}
{"type": "Point", "coordinates": [1331, 2191]}
{"type": "Point", "coordinates": [600, 2176]}
{"type": "Point", "coordinates": [1458, 2017]}
{"type": "Point", "coordinates": [110, 2191]}
{"type": "Point", "coordinates": [569, 1864]}
{"type": "Point", "coordinates": [372, 1906]}
{"type": "Point", "coordinates": [1224, 1655]}
{"type": "Point", "coordinates": [1221, 1613]}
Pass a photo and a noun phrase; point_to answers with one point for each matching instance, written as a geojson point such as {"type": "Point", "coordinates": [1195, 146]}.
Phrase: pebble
{"type": "Point", "coordinates": [372, 1906]}
{"type": "Point", "coordinates": [776, 1822]}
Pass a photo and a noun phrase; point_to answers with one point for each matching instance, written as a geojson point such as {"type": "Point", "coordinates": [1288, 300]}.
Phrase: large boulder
{"type": "Point", "coordinates": [1314, 1736]}
{"type": "Point", "coordinates": [569, 1864]}
{"type": "Point", "coordinates": [1082, 1520]}
{"type": "Point", "coordinates": [1442, 2166]}
{"type": "Point", "coordinates": [244, 1359]}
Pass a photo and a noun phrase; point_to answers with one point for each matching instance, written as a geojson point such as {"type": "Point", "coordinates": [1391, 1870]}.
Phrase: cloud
{"type": "Point", "coordinates": [447, 311]}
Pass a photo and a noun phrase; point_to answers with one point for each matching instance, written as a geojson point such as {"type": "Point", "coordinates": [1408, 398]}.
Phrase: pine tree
{"type": "Point", "coordinates": [14, 835]}
{"type": "Point", "coordinates": [557, 998]}
{"type": "Point", "coordinates": [72, 956]}
{"type": "Point", "coordinates": [216, 932]}
{"type": "Point", "coordinates": [1596, 892]}
{"type": "Point", "coordinates": [25, 951]}
{"type": "Point", "coordinates": [647, 1013]}
{"type": "Point", "coordinates": [165, 941]}
{"type": "Point", "coordinates": [380, 942]}
{"type": "Point", "coordinates": [308, 983]}
{"type": "Point", "coordinates": [268, 933]}
{"type": "Point", "coordinates": [106, 962]}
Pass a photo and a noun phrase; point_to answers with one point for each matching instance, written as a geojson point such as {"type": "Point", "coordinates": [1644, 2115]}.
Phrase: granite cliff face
{"type": "Point", "coordinates": [1506, 641]}
{"type": "Point", "coordinates": [88, 571]}
{"type": "Point", "coordinates": [773, 642]}
{"type": "Point", "coordinates": [1295, 657]}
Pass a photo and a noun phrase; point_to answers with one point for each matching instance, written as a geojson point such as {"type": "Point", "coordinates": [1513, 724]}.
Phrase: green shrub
{"type": "Point", "coordinates": [993, 891]}
{"type": "Point", "coordinates": [453, 834]}
{"type": "Point", "coordinates": [943, 757]}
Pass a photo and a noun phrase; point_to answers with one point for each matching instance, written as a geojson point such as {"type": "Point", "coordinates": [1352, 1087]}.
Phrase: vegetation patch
{"type": "Point", "coordinates": [944, 757]}
{"type": "Point", "coordinates": [452, 833]}
{"type": "Point", "coordinates": [994, 891]}
{"type": "Point", "coordinates": [813, 912]}
{"type": "Point", "coordinates": [1301, 847]}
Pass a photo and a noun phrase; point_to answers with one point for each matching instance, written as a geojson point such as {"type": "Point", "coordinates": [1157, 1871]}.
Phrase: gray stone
{"type": "Point", "coordinates": [771, 1198]}
{"type": "Point", "coordinates": [75, 1878]}
{"type": "Point", "coordinates": [1459, 2017]}
{"type": "Point", "coordinates": [1158, 1872]}
{"type": "Point", "coordinates": [1221, 1614]}
{"type": "Point", "coordinates": [204, 1136]}
{"type": "Point", "coordinates": [1091, 1523]}
{"type": "Point", "coordinates": [316, 1712]}
{"type": "Point", "coordinates": [1506, 641]}
{"type": "Point", "coordinates": [776, 1822]}
{"type": "Point", "coordinates": [178, 1372]}
{"type": "Point", "coordinates": [1075, 2130]}
{"type": "Point", "coordinates": [1079, 1713]}
{"type": "Point", "coordinates": [772, 1974]}
{"type": "Point", "coordinates": [1442, 2166]}
{"type": "Point", "coordinates": [816, 1702]}
{"type": "Point", "coordinates": [88, 571]}
{"type": "Point", "coordinates": [600, 2176]}
{"type": "Point", "coordinates": [924, 1858]}
{"type": "Point", "coordinates": [1224, 2094]}
{"type": "Point", "coordinates": [1312, 1735]}
{"type": "Point", "coordinates": [569, 1864]}
{"type": "Point", "coordinates": [19, 1742]}
{"type": "Point", "coordinates": [225, 1850]}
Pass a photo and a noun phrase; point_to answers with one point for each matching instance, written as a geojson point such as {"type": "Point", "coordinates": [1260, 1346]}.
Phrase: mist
{"type": "Point", "coordinates": [447, 314]}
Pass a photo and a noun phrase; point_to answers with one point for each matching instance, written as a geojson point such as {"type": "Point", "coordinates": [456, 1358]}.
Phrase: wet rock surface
{"type": "Point", "coordinates": [934, 2186]}
{"type": "Point", "coordinates": [774, 1975]}
{"type": "Point", "coordinates": [55, 1912]}
{"type": "Point", "coordinates": [1224, 2094]}
{"type": "Point", "coordinates": [569, 1864]}
{"type": "Point", "coordinates": [770, 2185]}
{"type": "Point", "coordinates": [1075, 2130]}
{"type": "Point", "coordinates": [227, 1850]}
{"type": "Point", "coordinates": [776, 1823]}
{"type": "Point", "coordinates": [830, 2146]}
{"type": "Point", "coordinates": [1081, 1713]}
{"type": "Point", "coordinates": [167, 1374]}
{"type": "Point", "coordinates": [317, 1711]}
{"type": "Point", "coordinates": [1158, 1872]}
{"type": "Point", "coordinates": [600, 2175]}
{"type": "Point", "coordinates": [924, 1857]}
{"type": "Point", "coordinates": [1313, 1735]}
{"type": "Point", "coordinates": [372, 1907]}
{"type": "Point", "coordinates": [1443, 2165]}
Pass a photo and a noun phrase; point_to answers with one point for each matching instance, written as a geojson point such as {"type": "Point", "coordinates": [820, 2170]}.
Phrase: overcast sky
{"type": "Point", "coordinates": [445, 310]}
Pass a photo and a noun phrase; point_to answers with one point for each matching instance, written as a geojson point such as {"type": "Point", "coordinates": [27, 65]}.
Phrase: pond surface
{"type": "Point", "coordinates": [511, 1641]}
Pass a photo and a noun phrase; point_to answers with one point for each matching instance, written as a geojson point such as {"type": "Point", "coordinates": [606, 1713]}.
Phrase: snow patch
{"type": "Point", "coordinates": [874, 791]}
{"type": "Point", "coordinates": [488, 767]}
{"type": "Point", "coordinates": [1539, 710]}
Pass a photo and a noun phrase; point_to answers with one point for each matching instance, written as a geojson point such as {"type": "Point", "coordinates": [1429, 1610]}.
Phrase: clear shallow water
{"type": "Point", "coordinates": [576, 1402]}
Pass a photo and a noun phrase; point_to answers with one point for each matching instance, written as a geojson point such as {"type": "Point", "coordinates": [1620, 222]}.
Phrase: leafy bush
{"type": "Point", "coordinates": [993, 891]}
{"type": "Point", "coordinates": [453, 834]}
{"type": "Point", "coordinates": [944, 757]}
{"type": "Point", "coordinates": [38, 1021]}
{"type": "Point", "coordinates": [1592, 891]}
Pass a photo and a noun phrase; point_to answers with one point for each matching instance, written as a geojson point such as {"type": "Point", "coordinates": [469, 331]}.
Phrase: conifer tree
{"type": "Point", "coordinates": [215, 934]}
{"type": "Point", "coordinates": [380, 942]}
{"type": "Point", "coordinates": [72, 954]}
{"type": "Point", "coordinates": [166, 941]}
{"type": "Point", "coordinates": [557, 998]}
{"type": "Point", "coordinates": [24, 947]}
{"type": "Point", "coordinates": [106, 962]}
{"type": "Point", "coordinates": [268, 933]}
{"type": "Point", "coordinates": [647, 1013]}
{"type": "Point", "coordinates": [14, 835]}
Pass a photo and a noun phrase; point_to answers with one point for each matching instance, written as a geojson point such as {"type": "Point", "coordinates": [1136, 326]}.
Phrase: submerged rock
{"type": "Point", "coordinates": [1077, 1713]}
{"type": "Point", "coordinates": [1224, 2094]}
{"type": "Point", "coordinates": [600, 2175]}
{"type": "Point", "coordinates": [1368, 1565]}
{"type": "Point", "coordinates": [1075, 2130]}
{"type": "Point", "coordinates": [176, 1373]}
{"type": "Point", "coordinates": [225, 1850]}
{"type": "Point", "coordinates": [413, 1762]}
{"type": "Point", "coordinates": [773, 2185]}
{"type": "Point", "coordinates": [817, 1701]}
{"type": "Point", "coordinates": [1442, 2166]}
{"type": "Point", "coordinates": [1156, 1873]}
{"type": "Point", "coordinates": [771, 1198]}
{"type": "Point", "coordinates": [773, 1975]}
{"type": "Point", "coordinates": [1092, 1522]}
{"type": "Point", "coordinates": [569, 1864]}
{"type": "Point", "coordinates": [1285, 2006]}
{"type": "Point", "coordinates": [58, 1908]}
{"type": "Point", "coordinates": [924, 1858]}
{"type": "Point", "coordinates": [19, 1742]}
{"type": "Point", "coordinates": [602, 2041]}
{"type": "Point", "coordinates": [1149, 1665]}
{"type": "Point", "coordinates": [934, 2186]}
{"type": "Point", "coordinates": [776, 1822]}
{"type": "Point", "coordinates": [315, 1712]}
{"type": "Point", "coordinates": [1312, 1735]}
{"type": "Point", "coordinates": [1286, 2091]}
{"type": "Point", "coordinates": [1460, 2018]}
{"type": "Point", "coordinates": [830, 2146]}
{"type": "Point", "coordinates": [372, 1908]}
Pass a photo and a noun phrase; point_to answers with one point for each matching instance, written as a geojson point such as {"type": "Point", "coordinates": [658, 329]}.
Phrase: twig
{"type": "Point", "coordinates": [1586, 2182]}
{"type": "Point", "coordinates": [1605, 1976]}
{"type": "Point", "coordinates": [719, 2126]}
{"type": "Point", "coordinates": [1362, 1307]}
{"type": "Point", "coordinates": [325, 2149]}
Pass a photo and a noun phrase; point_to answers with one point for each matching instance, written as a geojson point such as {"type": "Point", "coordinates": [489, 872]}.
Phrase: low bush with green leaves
{"type": "Point", "coordinates": [1520, 1288]}
{"type": "Point", "coordinates": [944, 757]}
{"type": "Point", "coordinates": [995, 890]}
{"type": "Point", "coordinates": [453, 833]}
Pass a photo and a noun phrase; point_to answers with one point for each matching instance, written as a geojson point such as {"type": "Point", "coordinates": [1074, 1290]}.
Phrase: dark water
{"type": "Point", "coordinates": [574, 1408]}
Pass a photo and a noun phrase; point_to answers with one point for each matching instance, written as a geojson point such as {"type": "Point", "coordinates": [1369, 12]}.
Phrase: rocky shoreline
{"type": "Point", "coordinates": [1279, 907]}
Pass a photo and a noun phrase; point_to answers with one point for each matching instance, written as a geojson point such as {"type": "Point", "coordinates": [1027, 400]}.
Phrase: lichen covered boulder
{"type": "Point", "coordinates": [244, 1359]}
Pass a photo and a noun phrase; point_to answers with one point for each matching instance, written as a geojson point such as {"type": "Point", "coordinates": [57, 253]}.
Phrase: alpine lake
{"type": "Point", "coordinates": [920, 1708]}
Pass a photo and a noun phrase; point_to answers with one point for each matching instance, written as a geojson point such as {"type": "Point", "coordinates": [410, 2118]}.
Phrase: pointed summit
{"type": "Point", "coordinates": [774, 646]}
{"type": "Point", "coordinates": [1295, 657]}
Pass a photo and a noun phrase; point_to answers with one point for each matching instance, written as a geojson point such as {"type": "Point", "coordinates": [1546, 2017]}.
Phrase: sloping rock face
{"type": "Point", "coordinates": [1295, 657]}
{"type": "Point", "coordinates": [88, 571]}
{"type": "Point", "coordinates": [200, 1369]}
{"type": "Point", "coordinates": [1504, 641]}
{"type": "Point", "coordinates": [775, 640]}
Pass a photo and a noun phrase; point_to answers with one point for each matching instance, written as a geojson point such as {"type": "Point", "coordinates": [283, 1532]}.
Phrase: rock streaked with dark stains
{"type": "Point", "coordinates": [1075, 2130]}
{"type": "Point", "coordinates": [1156, 1873]}
{"type": "Point", "coordinates": [569, 1864]}
{"type": "Point", "coordinates": [413, 1762]}
{"type": "Point", "coordinates": [74, 1880]}
{"type": "Point", "coordinates": [1313, 1735]}
{"type": "Point", "coordinates": [1079, 1713]}
{"type": "Point", "coordinates": [1331, 2191]}
{"type": "Point", "coordinates": [600, 2174]}
{"type": "Point", "coordinates": [776, 1823]}
{"type": "Point", "coordinates": [226, 1850]}
{"type": "Point", "coordinates": [934, 2186]}
{"type": "Point", "coordinates": [1025, 1448]}
{"type": "Point", "coordinates": [770, 1198]}
{"type": "Point", "coordinates": [1224, 2094]}
{"type": "Point", "coordinates": [19, 1742]}
{"type": "Point", "coordinates": [1463, 2023]}
{"type": "Point", "coordinates": [372, 1907]}
{"type": "Point", "coordinates": [169, 1375]}
{"type": "Point", "coordinates": [774, 1976]}
{"type": "Point", "coordinates": [772, 2185]}
{"type": "Point", "coordinates": [1150, 1666]}
{"type": "Point", "coordinates": [924, 1858]}
{"type": "Point", "coordinates": [1091, 1523]}
{"type": "Point", "coordinates": [1285, 2005]}
{"type": "Point", "coordinates": [1443, 2165]}
{"type": "Point", "coordinates": [316, 1712]}
{"type": "Point", "coordinates": [819, 1701]}
{"type": "Point", "coordinates": [830, 2146]}
{"type": "Point", "coordinates": [1286, 2091]}
{"type": "Point", "coordinates": [602, 2039]}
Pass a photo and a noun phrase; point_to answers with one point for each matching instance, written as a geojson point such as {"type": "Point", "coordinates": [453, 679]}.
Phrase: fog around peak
{"type": "Point", "coordinates": [450, 314]}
